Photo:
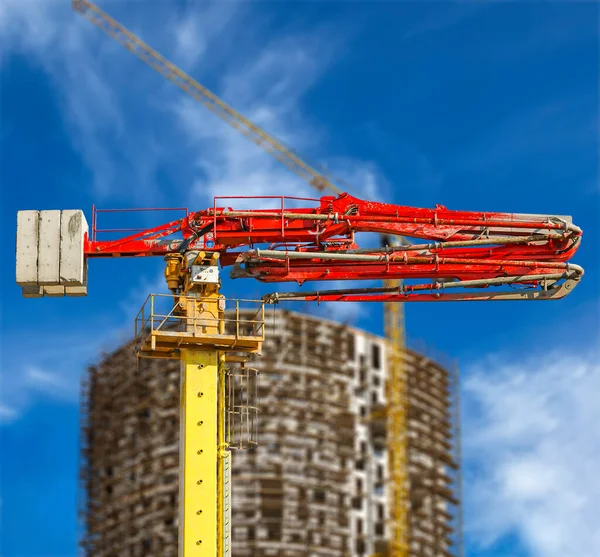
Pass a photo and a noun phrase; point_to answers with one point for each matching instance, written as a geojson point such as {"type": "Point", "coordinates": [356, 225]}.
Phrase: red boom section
{"type": "Point", "coordinates": [470, 249]}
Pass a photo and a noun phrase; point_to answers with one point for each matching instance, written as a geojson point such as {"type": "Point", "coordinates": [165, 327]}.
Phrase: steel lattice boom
{"type": "Point", "coordinates": [203, 95]}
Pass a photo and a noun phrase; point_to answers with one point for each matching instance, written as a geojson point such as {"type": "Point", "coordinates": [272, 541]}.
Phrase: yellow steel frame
{"type": "Point", "coordinates": [198, 483]}
{"type": "Point", "coordinates": [204, 512]}
{"type": "Point", "coordinates": [204, 525]}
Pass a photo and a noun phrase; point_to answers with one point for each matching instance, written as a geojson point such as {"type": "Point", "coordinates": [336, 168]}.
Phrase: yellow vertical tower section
{"type": "Point", "coordinates": [203, 445]}
{"type": "Point", "coordinates": [198, 483]}
{"type": "Point", "coordinates": [397, 439]}
{"type": "Point", "coordinates": [194, 331]}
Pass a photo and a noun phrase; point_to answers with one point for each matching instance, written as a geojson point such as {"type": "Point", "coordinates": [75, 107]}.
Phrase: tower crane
{"type": "Point", "coordinates": [465, 256]}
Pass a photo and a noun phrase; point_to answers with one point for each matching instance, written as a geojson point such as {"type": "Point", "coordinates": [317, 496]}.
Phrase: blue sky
{"type": "Point", "coordinates": [474, 105]}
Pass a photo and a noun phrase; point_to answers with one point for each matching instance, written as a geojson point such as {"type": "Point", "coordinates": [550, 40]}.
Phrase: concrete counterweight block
{"type": "Point", "coordinates": [27, 253]}
{"type": "Point", "coordinates": [49, 248]}
{"type": "Point", "coordinates": [73, 265]}
{"type": "Point", "coordinates": [50, 253]}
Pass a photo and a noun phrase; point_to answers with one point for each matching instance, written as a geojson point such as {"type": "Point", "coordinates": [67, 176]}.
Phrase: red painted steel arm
{"type": "Point", "coordinates": [318, 243]}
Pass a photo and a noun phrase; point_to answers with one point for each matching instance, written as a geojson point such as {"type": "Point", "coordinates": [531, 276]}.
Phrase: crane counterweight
{"type": "Point", "coordinates": [51, 258]}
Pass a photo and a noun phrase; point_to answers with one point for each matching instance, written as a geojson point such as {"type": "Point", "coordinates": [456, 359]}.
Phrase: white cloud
{"type": "Point", "coordinates": [51, 383]}
{"type": "Point", "coordinates": [8, 414]}
{"type": "Point", "coordinates": [531, 451]}
{"type": "Point", "coordinates": [198, 27]}
{"type": "Point", "coordinates": [60, 42]}
{"type": "Point", "coordinates": [115, 106]}
{"type": "Point", "coordinates": [52, 371]}
{"type": "Point", "coordinates": [190, 42]}
{"type": "Point", "coordinates": [28, 26]}
{"type": "Point", "coordinates": [343, 312]}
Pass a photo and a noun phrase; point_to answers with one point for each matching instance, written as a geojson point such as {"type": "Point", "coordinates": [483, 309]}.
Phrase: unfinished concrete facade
{"type": "Point", "coordinates": [316, 484]}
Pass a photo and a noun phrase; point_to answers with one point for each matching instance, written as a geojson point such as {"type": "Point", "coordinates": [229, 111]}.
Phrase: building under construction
{"type": "Point", "coordinates": [316, 483]}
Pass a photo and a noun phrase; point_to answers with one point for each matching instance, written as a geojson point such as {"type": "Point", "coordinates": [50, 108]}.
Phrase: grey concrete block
{"type": "Point", "coordinates": [73, 228]}
{"type": "Point", "coordinates": [49, 248]}
{"type": "Point", "coordinates": [27, 248]}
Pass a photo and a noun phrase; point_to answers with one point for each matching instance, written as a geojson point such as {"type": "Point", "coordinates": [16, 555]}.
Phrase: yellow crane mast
{"type": "Point", "coordinates": [202, 344]}
{"type": "Point", "coordinates": [396, 411]}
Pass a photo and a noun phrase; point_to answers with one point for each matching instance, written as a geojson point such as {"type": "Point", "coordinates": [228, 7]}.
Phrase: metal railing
{"type": "Point", "coordinates": [278, 202]}
{"type": "Point", "coordinates": [163, 315]}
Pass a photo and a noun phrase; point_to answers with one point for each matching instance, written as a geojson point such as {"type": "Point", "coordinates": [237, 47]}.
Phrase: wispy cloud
{"type": "Point", "coordinates": [118, 122]}
{"type": "Point", "coordinates": [530, 432]}
{"type": "Point", "coordinates": [269, 91]}
{"type": "Point", "coordinates": [8, 413]}
{"type": "Point", "coordinates": [51, 383]}
{"type": "Point", "coordinates": [58, 41]}
{"type": "Point", "coordinates": [198, 27]}
{"type": "Point", "coordinates": [342, 312]}
{"type": "Point", "coordinates": [53, 370]}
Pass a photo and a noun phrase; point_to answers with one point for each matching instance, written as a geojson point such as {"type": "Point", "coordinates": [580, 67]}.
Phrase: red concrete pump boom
{"type": "Point", "coordinates": [510, 256]}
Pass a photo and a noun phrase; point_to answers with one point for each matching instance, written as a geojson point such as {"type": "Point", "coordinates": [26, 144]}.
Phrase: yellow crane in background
{"type": "Point", "coordinates": [396, 389]}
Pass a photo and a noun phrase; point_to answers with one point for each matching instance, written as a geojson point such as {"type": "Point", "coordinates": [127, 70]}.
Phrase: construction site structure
{"type": "Point", "coordinates": [524, 257]}
{"type": "Point", "coordinates": [467, 256]}
{"type": "Point", "coordinates": [316, 483]}
{"type": "Point", "coordinates": [488, 256]}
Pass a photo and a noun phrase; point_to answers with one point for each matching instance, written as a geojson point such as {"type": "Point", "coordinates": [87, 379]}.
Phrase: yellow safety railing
{"type": "Point", "coordinates": [163, 323]}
